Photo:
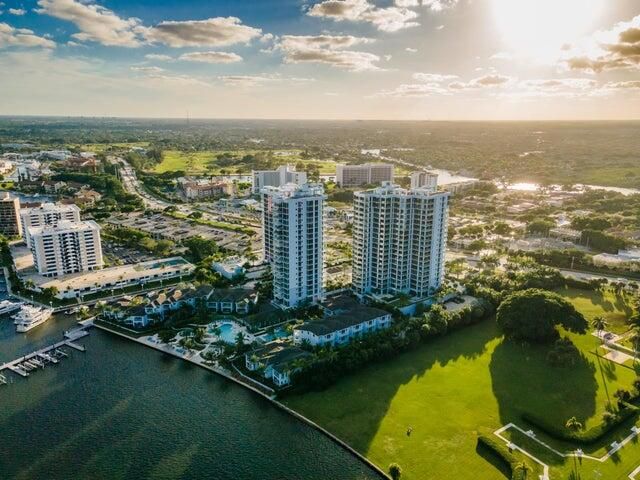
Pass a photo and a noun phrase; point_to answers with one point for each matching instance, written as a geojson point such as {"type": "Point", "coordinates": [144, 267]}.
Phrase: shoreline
{"type": "Point", "coordinates": [271, 400]}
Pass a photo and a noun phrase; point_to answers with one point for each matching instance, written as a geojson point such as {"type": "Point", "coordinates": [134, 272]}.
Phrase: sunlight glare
{"type": "Point", "coordinates": [538, 29]}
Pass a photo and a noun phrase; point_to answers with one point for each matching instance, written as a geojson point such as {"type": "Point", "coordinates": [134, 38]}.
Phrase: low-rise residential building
{"type": "Point", "coordinates": [157, 306]}
{"type": "Point", "coordinates": [166, 302]}
{"type": "Point", "coordinates": [276, 361]}
{"type": "Point", "coordinates": [87, 198]}
{"type": "Point", "coordinates": [198, 188]}
{"type": "Point", "coordinates": [232, 300]}
{"type": "Point", "coordinates": [340, 327]}
{"type": "Point", "coordinates": [624, 260]}
{"type": "Point", "coordinates": [140, 274]}
{"type": "Point", "coordinates": [230, 267]}
{"type": "Point", "coordinates": [365, 174]}
{"type": "Point", "coordinates": [567, 234]}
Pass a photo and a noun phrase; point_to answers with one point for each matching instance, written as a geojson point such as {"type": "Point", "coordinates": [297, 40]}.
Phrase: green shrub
{"type": "Point", "coordinates": [501, 451]}
{"type": "Point", "coordinates": [586, 437]}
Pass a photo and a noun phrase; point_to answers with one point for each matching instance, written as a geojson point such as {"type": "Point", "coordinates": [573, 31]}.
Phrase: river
{"type": "Point", "coordinates": [122, 411]}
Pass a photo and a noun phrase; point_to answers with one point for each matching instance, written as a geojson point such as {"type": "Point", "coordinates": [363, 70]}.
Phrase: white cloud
{"type": "Point", "coordinates": [614, 49]}
{"type": "Point", "coordinates": [22, 37]}
{"type": "Point", "coordinates": [439, 5]}
{"type": "Point", "coordinates": [434, 5]}
{"type": "Point", "coordinates": [434, 84]}
{"type": "Point", "coordinates": [389, 19]}
{"type": "Point", "coordinates": [99, 24]}
{"type": "Point", "coordinates": [95, 22]}
{"type": "Point", "coordinates": [630, 84]}
{"type": "Point", "coordinates": [440, 27]}
{"type": "Point", "coordinates": [433, 77]}
{"type": "Point", "coordinates": [147, 69]}
{"type": "Point", "coordinates": [260, 80]}
{"type": "Point", "coordinates": [486, 81]}
{"type": "Point", "coordinates": [17, 11]}
{"type": "Point", "coordinates": [501, 56]}
{"type": "Point", "coordinates": [212, 32]}
{"type": "Point", "coordinates": [556, 84]}
{"type": "Point", "coordinates": [211, 57]}
{"type": "Point", "coordinates": [247, 80]}
{"type": "Point", "coordinates": [415, 90]}
{"type": "Point", "coordinates": [158, 57]}
{"type": "Point", "coordinates": [411, 50]}
{"type": "Point", "coordinates": [329, 50]}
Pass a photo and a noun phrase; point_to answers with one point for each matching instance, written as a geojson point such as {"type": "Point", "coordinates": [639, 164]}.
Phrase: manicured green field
{"type": "Point", "coordinates": [451, 388]}
{"type": "Point", "coordinates": [614, 307]}
{"type": "Point", "coordinates": [195, 163]}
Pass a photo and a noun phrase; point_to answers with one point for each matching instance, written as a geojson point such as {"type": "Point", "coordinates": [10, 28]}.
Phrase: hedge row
{"type": "Point", "coordinates": [510, 460]}
{"type": "Point", "coordinates": [587, 437]}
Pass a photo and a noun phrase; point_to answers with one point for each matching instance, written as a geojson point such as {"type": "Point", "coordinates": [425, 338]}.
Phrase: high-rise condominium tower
{"type": "Point", "coordinates": [46, 214]}
{"type": "Point", "coordinates": [399, 240]}
{"type": "Point", "coordinates": [293, 242]}
{"type": "Point", "coordinates": [67, 247]}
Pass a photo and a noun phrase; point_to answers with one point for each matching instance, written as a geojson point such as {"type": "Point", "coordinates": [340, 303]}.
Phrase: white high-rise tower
{"type": "Point", "coordinates": [399, 240]}
{"type": "Point", "coordinates": [293, 242]}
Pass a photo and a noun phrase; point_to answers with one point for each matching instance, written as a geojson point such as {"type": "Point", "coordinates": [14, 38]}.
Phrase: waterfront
{"type": "Point", "coordinates": [124, 411]}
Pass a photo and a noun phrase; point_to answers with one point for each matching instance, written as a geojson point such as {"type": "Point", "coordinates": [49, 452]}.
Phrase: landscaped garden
{"type": "Point", "coordinates": [425, 409]}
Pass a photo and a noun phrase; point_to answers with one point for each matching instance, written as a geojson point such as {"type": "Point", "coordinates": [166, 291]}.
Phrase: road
{"type": "Point", "coordinates": [132, 185]}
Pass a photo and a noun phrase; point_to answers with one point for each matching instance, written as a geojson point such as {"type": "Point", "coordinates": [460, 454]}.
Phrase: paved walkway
{"type": "Point", "coordinates": [578, 453]}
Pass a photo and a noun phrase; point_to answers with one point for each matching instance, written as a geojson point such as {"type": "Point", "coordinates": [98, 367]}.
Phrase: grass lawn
{"type": "Point", "coordinates": [195, 163]}
{"type": "Point", "coordinates": [615, 308]}
{"type": "Point", "coordinates": [466, 382]}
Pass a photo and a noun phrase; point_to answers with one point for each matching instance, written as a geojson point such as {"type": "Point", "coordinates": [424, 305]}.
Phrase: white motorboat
{"type": "Point", "coordinates": [30, 317]}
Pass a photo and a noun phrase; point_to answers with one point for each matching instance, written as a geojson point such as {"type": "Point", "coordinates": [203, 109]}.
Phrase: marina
{"type": "Point", "coordinates": [51, 354]}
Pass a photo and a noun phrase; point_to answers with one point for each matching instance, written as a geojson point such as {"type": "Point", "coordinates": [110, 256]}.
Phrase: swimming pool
{"type": "Point", "coordinates": [229, 332]}
{"type": "Point", "coordinates": [275, 335]}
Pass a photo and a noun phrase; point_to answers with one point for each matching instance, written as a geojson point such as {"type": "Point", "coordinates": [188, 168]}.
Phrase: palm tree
{"type": "Point", "coordinates": [599, 323]}
{"type": "Point", "coordinates": [524, 468]}
{"type": "Point", "coordinates": [574, 425]}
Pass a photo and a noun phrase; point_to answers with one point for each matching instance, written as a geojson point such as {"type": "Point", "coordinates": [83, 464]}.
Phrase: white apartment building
{"type": "Point", "coordinates": [10, 224]}
{"type": "Point", "coordinates": [293, 242]}
{"type": "Point", "coordinates": [424, 180]}
{"type": "Point", "coordinates": [67, 247]}
{"type": "Point", "coordinates": [365, 174]}
{"type": "Point", "coordinates": [46, 214]}
{"type": "Point", "coordinates": [342, 328]}
{"type": "Point", "coordinates": [277, 178]}
{"type": "Point", "coordinates": [399, 240]}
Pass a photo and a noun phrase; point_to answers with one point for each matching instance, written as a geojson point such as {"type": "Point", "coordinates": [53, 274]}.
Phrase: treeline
{"type": "Point", "coordinates": [132, 238]}
{"type": "Point", "coordinates": [114, 194]}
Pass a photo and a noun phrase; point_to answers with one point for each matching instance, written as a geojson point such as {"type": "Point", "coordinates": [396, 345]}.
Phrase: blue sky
{"type": "Point", "coordinates": [395, 59]}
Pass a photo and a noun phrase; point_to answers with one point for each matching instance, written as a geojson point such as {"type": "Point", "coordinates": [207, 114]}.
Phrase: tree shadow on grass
{"type": "Point", "coordinates": [524, 382]}
{"type": "Point", "coordinates": [355, 407]}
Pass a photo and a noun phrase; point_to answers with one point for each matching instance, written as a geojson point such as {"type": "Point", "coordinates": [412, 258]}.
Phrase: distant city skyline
{"type": "Point", "coordinates": [322, 59]}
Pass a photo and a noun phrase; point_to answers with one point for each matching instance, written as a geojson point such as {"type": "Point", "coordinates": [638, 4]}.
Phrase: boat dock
{"type": "Point", "coordinates": [51, 354]}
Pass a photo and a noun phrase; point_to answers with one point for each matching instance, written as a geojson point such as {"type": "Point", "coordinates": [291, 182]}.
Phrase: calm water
{"type": "Point", "coordinates": [121, 410]}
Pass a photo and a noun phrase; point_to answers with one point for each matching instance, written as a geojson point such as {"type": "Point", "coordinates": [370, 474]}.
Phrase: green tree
{"type": "Point", "coordinates": [533, 314]}
{"type": "Point", "coordinates": [395, 471]}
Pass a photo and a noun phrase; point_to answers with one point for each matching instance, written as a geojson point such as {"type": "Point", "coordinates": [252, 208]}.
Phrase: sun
{"type": "Point", "coordinates": [538, 29]}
